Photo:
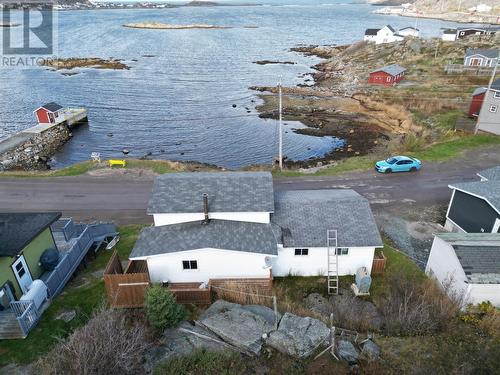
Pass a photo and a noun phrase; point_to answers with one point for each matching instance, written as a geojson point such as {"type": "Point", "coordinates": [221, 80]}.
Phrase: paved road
{"type": "Point", "coordinates": [124, 198]}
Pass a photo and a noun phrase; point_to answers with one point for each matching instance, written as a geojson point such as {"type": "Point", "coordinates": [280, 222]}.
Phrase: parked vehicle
{"type": "Point", "coordinates": [398, 164]}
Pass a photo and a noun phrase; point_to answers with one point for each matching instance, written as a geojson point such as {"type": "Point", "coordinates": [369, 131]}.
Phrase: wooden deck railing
{"type": "Point", "coordinates": [26, 313]}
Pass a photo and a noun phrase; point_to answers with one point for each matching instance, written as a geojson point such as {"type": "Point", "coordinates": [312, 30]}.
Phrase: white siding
{"type": "Point", "coordinates": [212, 264]}
{"type": "Point", "coordinates": [177, 218]}
{"type": "Point", "coordinates": [316, 263]}
{"type": "Point", "coordinates": [443, 264]}
{"type": "Point", "coordinates": [485, 292]}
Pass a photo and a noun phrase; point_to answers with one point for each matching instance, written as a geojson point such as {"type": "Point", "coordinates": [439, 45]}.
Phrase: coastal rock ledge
{"type": "Point", "coordinates": [32, 152]}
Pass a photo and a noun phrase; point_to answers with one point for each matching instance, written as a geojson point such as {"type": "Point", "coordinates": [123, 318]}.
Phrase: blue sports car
{"type": "Point", "coordinates": [398, 164]}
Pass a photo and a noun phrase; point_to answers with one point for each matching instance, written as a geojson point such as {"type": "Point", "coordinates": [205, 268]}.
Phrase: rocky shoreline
{"type": "Point", "coordinates": [35, 151]}
{"type": "Point", "coordinates": [84, 62]}
{"type": "Point", "coordinates": [167, 26]}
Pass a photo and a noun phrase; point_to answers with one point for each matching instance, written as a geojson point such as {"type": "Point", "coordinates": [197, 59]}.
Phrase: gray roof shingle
{"type": "Point", "coordinates": [52, 107]}
{"type": "Point", "coordinates": [227, 192]}
{"type": "Point", "coordinates": [17, 230]}
{"type": "Point", "coordinates": [490, 53]}
{"type": "Point", "coordinates": [393, 69]}
{"type": "Point", "coordinates": [489, 190]}
{"type": "Point", "coordinates": [371, 31]}
{"type": "Point", "coordinates": [478, 254]}
{"type": "Point", "coordinates": [491, 174]}
{"type": "Point", "coordinates": [218, 234]}
{"type": "Point", "coordinates": [302, 218]}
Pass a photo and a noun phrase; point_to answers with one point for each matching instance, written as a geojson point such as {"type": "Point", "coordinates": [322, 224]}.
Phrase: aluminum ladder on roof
{"type": "Point", "coordinates": [333, 261]}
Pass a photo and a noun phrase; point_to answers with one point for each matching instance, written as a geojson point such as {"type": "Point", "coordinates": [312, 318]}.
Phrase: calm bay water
{"type": "Point", "coordinates": [178, 104]}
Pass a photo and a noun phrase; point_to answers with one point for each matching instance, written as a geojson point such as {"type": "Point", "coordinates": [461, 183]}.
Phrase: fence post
{"type": "Point", "coordinates": [275, 305]}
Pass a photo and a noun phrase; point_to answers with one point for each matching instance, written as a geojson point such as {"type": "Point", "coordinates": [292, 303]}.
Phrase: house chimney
{"type": "Point", "coordinates": [206, 220]}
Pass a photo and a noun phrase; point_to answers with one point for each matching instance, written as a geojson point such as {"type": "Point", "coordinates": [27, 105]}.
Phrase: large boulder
{"type": "Point", "coordinates": [238, 326]}
{"type": "Point", "coordinates": [182, 340]}
{"type": "Point", "coordinates": [347, 351]}
{"type": "Point", "coordinates": [370, 350]}
{"type": "Point", "coordinates": [218, 307]}
{"type": "Point", "coordinates": [264, 312]}
{"type": "Point", "coordinates": [298, 336]}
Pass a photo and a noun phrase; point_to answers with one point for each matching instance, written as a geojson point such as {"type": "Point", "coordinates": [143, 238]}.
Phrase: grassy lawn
{"type": "Point", "coordinates": [84, 294]}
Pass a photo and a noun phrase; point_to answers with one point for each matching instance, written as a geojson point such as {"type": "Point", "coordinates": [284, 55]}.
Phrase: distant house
{"type": "Point", "coordinates": [477, 102]}
{"type": "Point", "coordinates": [489, 117]}
{"type": "Point", "coordinates": [481, 57]}
{"type": "Point", "coordinates": [232, 225]}
{"type": "Point", "coordinates": [475, 206]}
{"type": "Point", "coordinates": [463, 32]}
{"type": "Point", "coordinates": [388, 75]}
{"type": "Point", "coordinates": [491, 174]}
{"type": "Point", "coordinates": [409, 31]}
{"type": "Point", "coordinates": [449, 35]}
{"type": "Point", "coordinates": [387, 34]}
{"type": "Point", "coordinates": [48, 113]}
{"type": "Point", "coordinates": [467, 265]}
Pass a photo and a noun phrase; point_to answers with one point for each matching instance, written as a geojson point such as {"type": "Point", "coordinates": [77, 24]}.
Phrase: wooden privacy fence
{"type": "Point", "coordinates": [379, 262]}
{"type": "Point", "coordinates": [126, 288]}
{"type": "Point", "coordinates": [469, 70]}
{"type": "Point", "coordinates": [191, 293]}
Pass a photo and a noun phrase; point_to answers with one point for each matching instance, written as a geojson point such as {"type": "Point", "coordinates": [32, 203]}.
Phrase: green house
{"type": "Point", "coordinates": [23, 239]}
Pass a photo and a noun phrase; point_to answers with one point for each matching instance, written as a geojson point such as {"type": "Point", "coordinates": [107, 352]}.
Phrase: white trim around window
{"type": "Point", "coordinates": [493, 108]}
{"type": "Point", "coordinates": [190, 265]}
{"type": "Point", "coordinates": [301, 252]}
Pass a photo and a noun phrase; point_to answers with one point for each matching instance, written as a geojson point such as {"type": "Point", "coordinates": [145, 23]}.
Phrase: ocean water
{"type": "Point", "coordinates": [176, 101]}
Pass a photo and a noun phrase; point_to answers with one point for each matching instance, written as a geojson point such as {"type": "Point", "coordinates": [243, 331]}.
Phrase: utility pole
{"type": "Point", "coordinates": [280, 154]}
{"type": "Point", "coordinates": [492, 78]}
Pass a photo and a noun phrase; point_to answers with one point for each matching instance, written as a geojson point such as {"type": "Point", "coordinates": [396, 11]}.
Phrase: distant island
{"type": "Point", "coordinates": [167, 26]}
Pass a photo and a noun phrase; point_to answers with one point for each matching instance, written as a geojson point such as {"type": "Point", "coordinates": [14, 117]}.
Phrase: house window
{"type": "Point", "coordinates": [190, 264]}
{"type": "Point", "coordinates": [342, 251]}
{"type": "Point", "coordinates": [493, 108]}
{"type": "Point", "coordinates": [301, 251]}
{"type": "Point", "coordinates": [496, 95]}
{"type": "Point", "coordinates": [388, 79]}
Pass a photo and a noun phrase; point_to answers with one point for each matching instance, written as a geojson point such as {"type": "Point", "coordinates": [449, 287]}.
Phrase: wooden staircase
{"type": "Point", "coordinates": [9, 326]}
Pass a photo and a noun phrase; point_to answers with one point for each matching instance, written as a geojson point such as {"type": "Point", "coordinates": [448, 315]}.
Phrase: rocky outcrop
{"type": "Point", "coordinates": [33, 151]}
{"type": "Point", "coordinates": [347, 351]}
{"type": "Point", "coordinates": [298, 336]}
{"type": "Point", "coordinates": [370, 350]}
{"type": "Point", "coordinates": [238, 326]}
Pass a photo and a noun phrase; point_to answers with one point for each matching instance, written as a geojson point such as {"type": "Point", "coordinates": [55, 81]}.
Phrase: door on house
{"type": "Point", "coordinates": [22, 272]}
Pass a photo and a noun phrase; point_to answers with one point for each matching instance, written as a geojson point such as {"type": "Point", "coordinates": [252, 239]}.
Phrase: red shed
{"type": "Point", "coordinates": [48, 113]}
{"type": "Point", "coordinates": [388, 75]}
{"type": "Point", "coordinates": [477, 101]}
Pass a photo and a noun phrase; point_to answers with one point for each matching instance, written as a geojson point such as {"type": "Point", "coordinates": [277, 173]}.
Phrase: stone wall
{"type": "Point", "coordinates": [34, 153]}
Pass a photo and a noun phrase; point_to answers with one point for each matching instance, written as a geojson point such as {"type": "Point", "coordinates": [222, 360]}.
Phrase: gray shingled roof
{"type": "Point", "coordinates": [489, 190]}
{"type": "Point", "coordinates": [371, 31]}
{"type": "Point", "coordinates": [227, 192]}
{"type": "Point", "coordinates": [52, 107]}
{"type": "Point", "coordinates": [491, 174]}
{"type": "Point", "coordinates": [218, 234]}
{"type": "Point", "coordinates": [17, 230]}
{"type": "Point", "coordinates": [479, 90]}
{"type": "Point", "coordinates": [302, 218]}
{"type": "Point", "coordinates": [478, 253]}
{"type": "Point", "coordinates": [490, 53]}
{"type": "Point", "coordinates": [393, 69]}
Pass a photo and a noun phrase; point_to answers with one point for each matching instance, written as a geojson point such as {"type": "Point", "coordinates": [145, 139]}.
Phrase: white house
{"type": "Point", "coordinates": [449, 35]}
{"type": "Point", "coordinates": [230, 225]}
{"type": "Point", "coordinates": [387, 34]}
{"type": "Point", "coordinates": [467, 265]}
{"type": "Point", "coordinates": [481, 57]}
{"type": "Point", "coordinates": [409, 31]}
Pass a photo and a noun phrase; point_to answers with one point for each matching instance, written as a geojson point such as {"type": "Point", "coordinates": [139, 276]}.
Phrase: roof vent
{"type": "Point", "coordinates": [206, 220]}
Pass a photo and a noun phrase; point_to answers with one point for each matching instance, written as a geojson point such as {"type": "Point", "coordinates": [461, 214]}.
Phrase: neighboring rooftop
{"type": "Point", "coordinates": [52, 107]}
{"type": "Point", "coordinates": [302, 218]}
{"type": "Point", "coordinates": [390, 28]}
{"type": "Point", "coordinates": [478, 253]}
{"type": "Point", "coordinates": [217, 234]}
{"type": "Point", "coordinates": [227, 192]}
{"type": "Point", "coordinates": [488, 190]}
{"type": "Point", "coordinates": [491, 174]}
{"type": "Point", "coordinates": [393, 69]}
{"type": "Point", "coordinates": [495, 85]}
{"type": "Point", "coordinates": [490, 53]}
{"type": "Point", "coordinates": [371, 31]}
{"type": "Point", "coordinates": [17, 230]}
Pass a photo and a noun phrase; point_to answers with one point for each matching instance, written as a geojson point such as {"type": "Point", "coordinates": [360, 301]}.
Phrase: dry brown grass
{"type": "Point", "coordinates": [112, 342]}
